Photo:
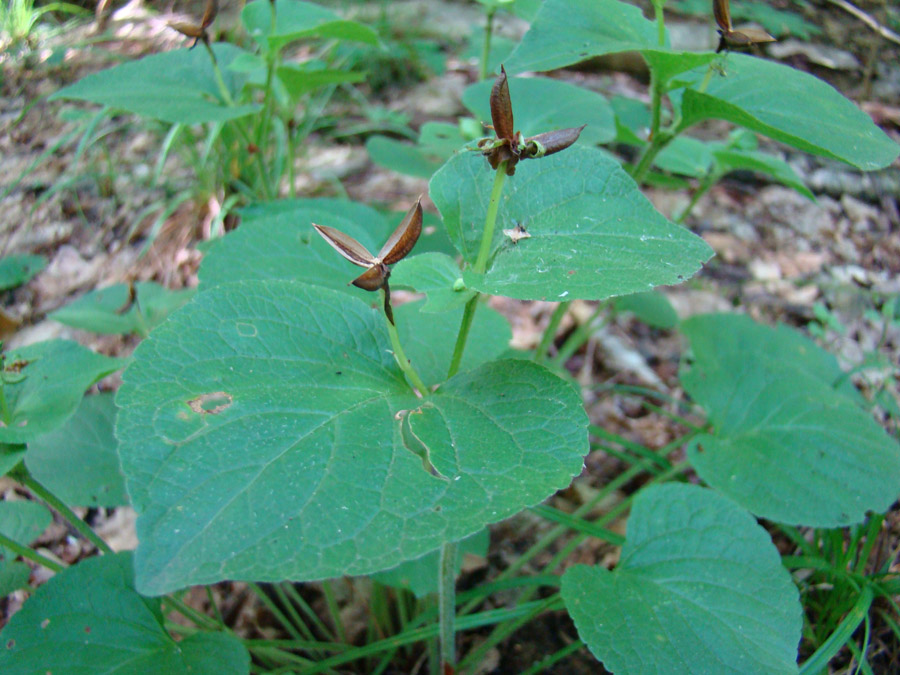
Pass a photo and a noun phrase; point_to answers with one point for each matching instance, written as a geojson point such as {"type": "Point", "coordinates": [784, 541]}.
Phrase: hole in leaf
{"type": "Point", "coordinates": [210, 404]}
{"type": "Point", "coordinates": [415, 445]}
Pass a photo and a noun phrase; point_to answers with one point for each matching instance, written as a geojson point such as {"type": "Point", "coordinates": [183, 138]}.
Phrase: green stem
{"type": "Point", "coordinates": [660, 22]}
{"type": "Point", "coordinates": [401, 359]}
{"type": "Point", "coordinates": [484, 250]}
{"type": "Point", "coordinates": [217, 74]}
{"type": "Point", "coordinates": [708, 181]}
{"type": "Point", "coordinates": [447, 605]}
{"type": "Point", "coordinates": [487, 236]}
{"type": "Point", "coordinates": [486, 46]}
{"type": "Point", "coordinates": [550, 331]}
{"type": "Point", "coordinates": [463, 335]}
{"type": "Point", "coordinates": [30, 554]}
{"type": "Point", "coordinates": [80, 526]}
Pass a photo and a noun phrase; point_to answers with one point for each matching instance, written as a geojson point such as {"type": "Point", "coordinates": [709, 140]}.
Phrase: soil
{"type": "Point", "coordinates": [93, 212]}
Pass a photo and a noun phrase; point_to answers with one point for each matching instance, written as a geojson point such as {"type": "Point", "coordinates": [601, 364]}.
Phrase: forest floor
{"type": "Point", "coordinates": [779, 257]}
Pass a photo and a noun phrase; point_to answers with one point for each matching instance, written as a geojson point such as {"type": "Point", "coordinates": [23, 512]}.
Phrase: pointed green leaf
{"type": "Point", "coordinates": [762, 96]}
{"type": "Point", "coordinates": [686, 156]}
{"type": "Point", "coordinates": [89, 619]}
{"type": "Point", "coordinates": [652, 307]}
{"type": "Point", "coordinates": [728, 160]}
{"type": "Point", "coordinates": [593, 234]}
{"type": "Point", "coordinates": [109, 310]}
{"type": "Point", "coordinates": [78, 462]}
{"type": "Point", "coordinates": [402, 157]}
{"type": "Point", "coordinates": [10, 455]}
{"type": "Point", "coordinates": [264, 427]}
{"type": "Point", "coordinates": [569, 31]}
{"type": "Point", "coordinates": [541, 104]}
{"type": "Point", "coordinates": [699, 589]}
{"type": "Point", "coordinates": [177, 87]}
{"type": "Point", "coordinates": [435, 274]}
{"type": "Point", "coordinates": [785, 443]}
{"type": "Point", "coordinates": [56, 374]}
{"type": "Point", "coordinates": [299, 80]}
{"type": "Point", "coordinates": [13, 576]}
{"type": "Point", "coordinates": [295, 20]}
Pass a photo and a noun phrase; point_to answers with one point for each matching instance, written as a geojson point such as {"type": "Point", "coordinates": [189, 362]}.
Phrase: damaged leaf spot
{"type": "Point", "coordinates": [210, 404]}
{"type": "Point", "coordinates": [246, 329]}
{"type": "Point", "coordinates": [414, 444]}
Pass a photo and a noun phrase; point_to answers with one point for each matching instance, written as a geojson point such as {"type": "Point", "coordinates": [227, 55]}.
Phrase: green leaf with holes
{"type": "Point", "coordinates": [178, 86]}
{"type": "Point", "coordinates": [113, 310]}
{"type": "Point", "coordinates": [267, 433]}
{"type": "Point", "coordinates": [89, 619]}
{"type": "Point", "coordinates": [568, 31]}
{"type": "Point", "coordinates": [541, 104]}
{"type": "Point", "coordinates": [593, 234]}
{"type": "Point", "coordinates": [789, 441]}
{"type": "Point", "coordinates": [699, 588]}
{"type": "Point", "coordinates": [78, 462]}
{"type": "Point", "coordinates": [762, 96]}
{"type": "Point", "coordinates": [50, 379]}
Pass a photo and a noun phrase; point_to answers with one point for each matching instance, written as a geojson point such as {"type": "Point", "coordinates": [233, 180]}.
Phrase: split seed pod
{"type": "Point", "coordinates": [735, 38]}
{"type": "Point", "coordinates": [198, 32]}
{"type": "Point", "coordinates": [398, 245]}
{"type": "Point", "coordinates": [508, 146]}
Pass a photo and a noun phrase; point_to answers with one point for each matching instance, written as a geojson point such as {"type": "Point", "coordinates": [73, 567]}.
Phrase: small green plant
{"type": "Point", "coordinates": [19, 18]}
{"type": "Point", "coordinates": [280, 428]}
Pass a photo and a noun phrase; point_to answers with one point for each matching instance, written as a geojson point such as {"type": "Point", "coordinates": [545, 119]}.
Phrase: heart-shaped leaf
{"type": "Point", "coordinates": [89, 619]}
{"type": "Point", "coordinates": [51, 379]}
{"type": "Point", "coordinates": [786, 444]}
{"type": "Point", "coordinates": [178, 86]}
{"type": "Point", "coordinates": [763, 96]}
{"type": "Point", "coordinates": [569, 31]}
{"type": "Point", "coordinates": [541, 104]}
{"type": "Point", "coordinates": [699, 589]}
{"type": "Point", "coordinates": [78, 462]}
{"type": "Point", "coordinates": [593, 234]}
{"type": "Point", "coordinates": [267, 433]}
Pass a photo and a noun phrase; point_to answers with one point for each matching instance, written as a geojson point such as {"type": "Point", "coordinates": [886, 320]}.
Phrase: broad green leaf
{"type": "Point", "coordinates": [435, 274]}
{"type": "Point", "coordinates": [23, 522]}
{"type": "Point", "coordinates": [699, 588]}
{"type": "Point", "coordinates": [16, 270]}
{"type": "Point", "coordinates": [89, 619]}
{"type": "Point", "coordinates": [421, 575]}
{"type": "Point", "coordinates": [10, 455]}
{"type": "Point", "coordinates": [177, 87]}
{"type": "Point", "coordinates": [267, 433]}
{"type": "Point", "coordinates": [13, 576]}
{"type": "Point", "coordinates": [78, 462]}
{"type": "Point", "coordinates": [295, 20]}
{"type": "Point", "coordinates": [568, 31]}
{"type": "Point", "coordinates": [405, 158]}
{"type": "Point", "coordinates": [593, 234]}
{"type": "Point", "coordinates": [111, 310]}
{"type": "Point", "coordinates": [632, 120]}
{"type": "Point", "coordinates": [540, 104]}
{"type": "Point", "coordinates": [762, 96]}
{"type": "Point", "coordinates": [277, 241]}
{"type": "Point", "coordinates": [728, 160]}
{"type": "Point", "coordinates": [652, 307]}
{"type": "Point", "coordinates": [429, 340]}
{"type": "Point", "coordinates": [785, 443]}
{"type": "Point", "coordinates": [686, 156]}
{"type": "Point", "coordinates": [54, 376]}
{"type": "Point", "coordinates": [298, 81]}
